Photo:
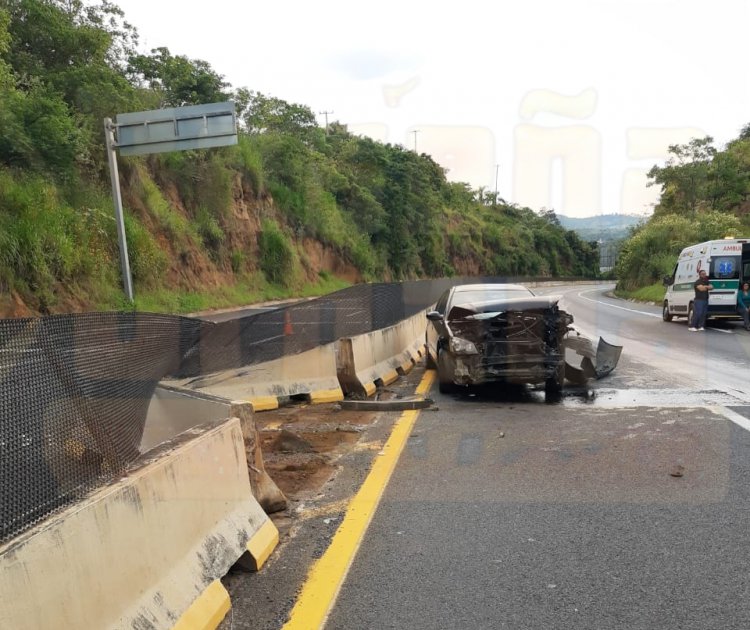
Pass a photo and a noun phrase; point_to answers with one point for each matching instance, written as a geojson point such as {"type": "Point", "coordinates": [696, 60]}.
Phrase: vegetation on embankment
{"type": "Point", "coordinates": [292, 209]}
{"type": "Point", "coordinates": [705, 195]}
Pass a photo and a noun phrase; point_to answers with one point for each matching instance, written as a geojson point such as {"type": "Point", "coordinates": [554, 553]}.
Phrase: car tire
{"type": "Point", "coordinates": [553, 386]}
{"type": "Point", "coordinates": [690, 314]}
{"type": "Point", "coordinates": [665, 314]}
{"type": "Point", "coordinates": [445, 379]}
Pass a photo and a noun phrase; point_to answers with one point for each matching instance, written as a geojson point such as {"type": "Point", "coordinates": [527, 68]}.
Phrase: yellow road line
{"type": "Point", "coordinates": [327, 574]}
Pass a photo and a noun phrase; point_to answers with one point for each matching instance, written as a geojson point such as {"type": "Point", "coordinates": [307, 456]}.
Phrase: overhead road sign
{"type": "Point", "coordinates": [177, 129]}
{"type": "Point", "coordinates": [157, 131]}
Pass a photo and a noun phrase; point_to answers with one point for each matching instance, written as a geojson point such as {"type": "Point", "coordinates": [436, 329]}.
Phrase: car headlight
{"type": "Point", "coordinates": [462, 346]}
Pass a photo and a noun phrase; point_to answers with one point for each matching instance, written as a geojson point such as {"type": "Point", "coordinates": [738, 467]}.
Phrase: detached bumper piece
{"type": "Point", "coordinates": [583, 362]}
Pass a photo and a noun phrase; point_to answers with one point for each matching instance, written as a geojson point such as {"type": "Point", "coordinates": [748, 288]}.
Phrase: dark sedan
{"type": "Point", "coordinates": [497, 333]}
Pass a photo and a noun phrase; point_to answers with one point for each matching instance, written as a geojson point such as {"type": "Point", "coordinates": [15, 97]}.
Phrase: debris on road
{"type": "Point", "coordinates": [402, 404]}
{"type": "Point", "coordinates": [583, 363]}
{"type": "Point", "coordinates": [677, 470]}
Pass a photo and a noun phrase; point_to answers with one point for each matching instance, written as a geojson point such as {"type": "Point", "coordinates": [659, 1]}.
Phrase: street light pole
{"type": "Point", "coordinates": [415, 132]}
{"type": "Point", "coordinates": [497, 168]}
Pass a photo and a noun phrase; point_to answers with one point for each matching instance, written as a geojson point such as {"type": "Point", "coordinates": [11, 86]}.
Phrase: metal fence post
{"type": "Point", "coordinates": [127, 280]}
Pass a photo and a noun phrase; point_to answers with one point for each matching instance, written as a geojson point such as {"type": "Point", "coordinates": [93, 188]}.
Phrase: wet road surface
{"type": "Point", "coordinates": [508, 515]}
{"type": "Point", "coordinates": [627, 505]}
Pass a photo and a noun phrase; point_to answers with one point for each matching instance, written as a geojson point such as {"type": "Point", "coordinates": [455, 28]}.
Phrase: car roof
{"type": "Point", "coordinates": [489, 287]}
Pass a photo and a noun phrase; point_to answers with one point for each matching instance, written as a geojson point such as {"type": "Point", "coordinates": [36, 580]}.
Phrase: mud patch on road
{"type": "Point", "coordinates": [302, 444]}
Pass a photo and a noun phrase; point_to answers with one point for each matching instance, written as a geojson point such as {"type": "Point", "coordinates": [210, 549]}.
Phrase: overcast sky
{"type": "Point", "coordinates": [565, 104]}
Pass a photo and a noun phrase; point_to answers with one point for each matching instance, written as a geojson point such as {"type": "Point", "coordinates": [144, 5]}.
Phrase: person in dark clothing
{"type": "Point", "coordinates": [700, 302]}
{"type": "Point", "coordinates": [743, 303]}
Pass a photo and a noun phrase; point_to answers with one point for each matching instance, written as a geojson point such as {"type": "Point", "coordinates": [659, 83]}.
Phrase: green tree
{"type": "Point", "coordinates": [652, 250]}
{"type": "Point", "coordinates": [177, 79]}
{"type": "Point", "coordinates": [262, 113]}
{"type": "Point", "coordinates": [685, 178]}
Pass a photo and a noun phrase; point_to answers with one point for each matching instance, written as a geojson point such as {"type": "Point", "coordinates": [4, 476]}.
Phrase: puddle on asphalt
{"type": "Point", "coordinates": [651, 398]}
{"type": "Point", "coordinates": [605, 398]}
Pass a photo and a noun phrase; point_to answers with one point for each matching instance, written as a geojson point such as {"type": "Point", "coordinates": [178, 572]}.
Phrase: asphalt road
{"type": "Point", "coordinates": [716, 359]}
{"type": "Point", "coordinates": [505, 512]}
{"type": "Point", "coordinates": [571, 520]}
{"type": "Point", "coordinates": [626, 505]}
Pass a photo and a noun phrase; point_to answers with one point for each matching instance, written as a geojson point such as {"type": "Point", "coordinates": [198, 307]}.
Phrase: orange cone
{"type": "Point", "coordinates": [288, 323]}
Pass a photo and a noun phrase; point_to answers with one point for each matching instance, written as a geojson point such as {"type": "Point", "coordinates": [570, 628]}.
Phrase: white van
{"type": "Point", "coordinates": [727, 262]}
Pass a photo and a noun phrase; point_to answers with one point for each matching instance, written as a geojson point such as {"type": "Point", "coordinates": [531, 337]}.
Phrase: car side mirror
{"type": "Point", "coordinates": [667, 281]}
{"type": "Point", "coordinates": [434, 316]}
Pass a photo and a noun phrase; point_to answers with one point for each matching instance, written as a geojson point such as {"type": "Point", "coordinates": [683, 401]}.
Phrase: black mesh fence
{"type": "Point", "coordinates": [75, 389]}
{"type": "Point", "coordinates": [74, 392]}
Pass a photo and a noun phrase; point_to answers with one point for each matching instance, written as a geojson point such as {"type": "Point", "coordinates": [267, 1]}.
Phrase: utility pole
{"type": "Point", "coordinates": [415, 132]}
{"type": "Point", "coordinates": [497, 169]}
{"type": "Point", "coordinates": [326, 115]}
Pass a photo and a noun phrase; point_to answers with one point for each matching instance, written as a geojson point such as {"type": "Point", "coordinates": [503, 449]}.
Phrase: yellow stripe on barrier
{"type": "Point", "coordinates": [264, 403]}
{"type": "Point", "coordinates": [262, 544]}
{"type": "Point", "coordinates": [326, 396]}
{"type": "Point", "coordinates": [327, 574]}
{"type": "Point", "coordinates": [406, 367]}
{"type": "Point", "coordinates": [206, 612]}
{"type": "Point", "coordinates": [389, 377]}
{"type": "Point", "coordinates": [370, 388]}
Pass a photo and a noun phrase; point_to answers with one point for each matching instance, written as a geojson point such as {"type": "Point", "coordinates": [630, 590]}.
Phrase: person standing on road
{"type": "Point", "coordinates": [743, 303]}
{"type": "Point", "coordinates": [700, 303]}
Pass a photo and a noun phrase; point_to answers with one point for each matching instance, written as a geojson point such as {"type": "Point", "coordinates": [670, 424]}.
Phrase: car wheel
{"type": "Point", "coordinates": [665, 314]}
{"type": "Point", "coordinates": [445, 378]}
{"type": "Point", "coordinates": [690, 315]}
{"type": "Point", "coordinates": [553, 386]}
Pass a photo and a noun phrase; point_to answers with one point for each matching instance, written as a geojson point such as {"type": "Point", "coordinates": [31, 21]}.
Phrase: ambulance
{"type": "Point", "coordinates": [728, 264]}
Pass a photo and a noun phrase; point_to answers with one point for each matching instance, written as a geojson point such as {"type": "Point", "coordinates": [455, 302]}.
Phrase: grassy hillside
{"type": "Point", "coordinates": [290, 210]}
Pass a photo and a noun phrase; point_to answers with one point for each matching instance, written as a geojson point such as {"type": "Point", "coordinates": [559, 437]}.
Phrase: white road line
{"type": "Point", "coordinates": [739, 420]}
{"type": "Point", "coordinates": [622, 308]}
{"type": "Point", "coordinates": [632, 310]}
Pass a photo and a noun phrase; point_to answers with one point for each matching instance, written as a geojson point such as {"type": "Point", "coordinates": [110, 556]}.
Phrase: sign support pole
{"type": "Point", "coordinates": [127, 279]}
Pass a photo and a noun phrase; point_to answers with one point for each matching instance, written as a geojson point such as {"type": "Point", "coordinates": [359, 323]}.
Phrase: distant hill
{"type": "Point", "coordinates": [605, 227]}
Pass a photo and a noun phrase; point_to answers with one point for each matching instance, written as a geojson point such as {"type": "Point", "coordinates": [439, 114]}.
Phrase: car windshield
{"type": "Point", "coordinates": [488, 295]}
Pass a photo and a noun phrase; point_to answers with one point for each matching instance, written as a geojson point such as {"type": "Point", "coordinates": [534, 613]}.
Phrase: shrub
{"type": "Point", "coordinates": [237, 260]}
{"type": "Point", "coordinates": [276, 254]}
{"type": "Point", "coordinates": [209, 230]}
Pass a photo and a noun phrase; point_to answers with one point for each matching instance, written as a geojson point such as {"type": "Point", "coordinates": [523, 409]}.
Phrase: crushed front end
{"type": "Point", "coordinates": [515, 341]}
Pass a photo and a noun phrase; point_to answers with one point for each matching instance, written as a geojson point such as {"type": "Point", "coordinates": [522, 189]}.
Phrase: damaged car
{"type": "Point", "coordinates": [497, 333]}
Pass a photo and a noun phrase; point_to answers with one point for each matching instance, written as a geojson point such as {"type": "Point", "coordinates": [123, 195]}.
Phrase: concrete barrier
{"type": "Point", "coordinates": [380, 355]}
{"type": "Point", "coordinates": [146, 551]}
{"type": "Point", "coordinates": [311, 374]}
{"type": "Point", "coordinates": [174, 410]}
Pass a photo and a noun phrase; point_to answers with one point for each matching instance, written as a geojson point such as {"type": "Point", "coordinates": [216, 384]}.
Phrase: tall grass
{"type": "Point", "coordinates": [175, 226]}
{"type": "Point", "coordinates": [43, 240]}
{"type": "Point", "coordinates": [249, 161]}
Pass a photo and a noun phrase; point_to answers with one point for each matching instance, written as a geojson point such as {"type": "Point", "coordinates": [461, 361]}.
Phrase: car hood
{"type": "Point", "coordinates": [478, 311]}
